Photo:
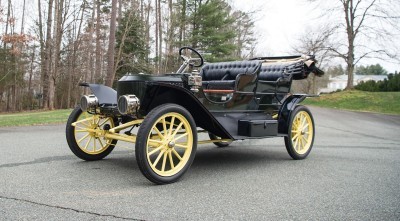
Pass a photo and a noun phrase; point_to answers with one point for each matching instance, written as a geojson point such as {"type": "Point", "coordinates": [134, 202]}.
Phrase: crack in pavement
{"type": "Point", "coordinates": [46, 160]}
{"type": "Point", "coordinates": [37, 161]}
{"type": "Point", "coordinates": [70, 209]}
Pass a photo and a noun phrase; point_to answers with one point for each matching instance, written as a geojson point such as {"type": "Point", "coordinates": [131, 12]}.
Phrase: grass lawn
{"type": "Point", "coordinates": [378, 102]}
{"type": "Point", "coordinates": [34, 118]}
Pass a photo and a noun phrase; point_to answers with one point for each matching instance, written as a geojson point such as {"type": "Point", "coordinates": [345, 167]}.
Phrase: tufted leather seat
{"type": "Point", "coordinates": [227, 70]}
{"type": "Point", "coordinates": [273, 71]}
{"type": "Point", "coordinates": [223, 75]}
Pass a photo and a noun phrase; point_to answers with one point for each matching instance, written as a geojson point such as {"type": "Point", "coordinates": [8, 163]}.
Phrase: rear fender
{"type": "Point", "coordinates": [285, 111]}
{"type": "Point", "coordinates": [160, 93]}
{"type": "Point", "coordinates": [105, 95]}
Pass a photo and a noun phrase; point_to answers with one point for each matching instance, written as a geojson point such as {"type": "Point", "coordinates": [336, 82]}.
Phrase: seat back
{"type": "Point", "coordinates": [228, 70]}
{"type": "Point", "coordinates": [276, 70]}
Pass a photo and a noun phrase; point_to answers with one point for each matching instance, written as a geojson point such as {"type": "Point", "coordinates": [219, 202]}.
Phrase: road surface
{"type": "Point", "coordinates": [352, 173]}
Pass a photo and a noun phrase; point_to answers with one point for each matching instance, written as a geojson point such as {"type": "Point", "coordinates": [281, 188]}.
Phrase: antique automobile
{"type": "Point", "coordinates": [230, 101]}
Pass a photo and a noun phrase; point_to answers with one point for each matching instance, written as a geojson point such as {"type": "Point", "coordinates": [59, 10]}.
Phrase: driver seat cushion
{"type": "Point", "coordinates": [222, 75]}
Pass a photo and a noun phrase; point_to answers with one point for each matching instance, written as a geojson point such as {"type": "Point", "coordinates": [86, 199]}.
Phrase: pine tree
{"type": "Point", "coordinates": [131, 47]}
{"type": "Point", "coordinates": [212, 29]}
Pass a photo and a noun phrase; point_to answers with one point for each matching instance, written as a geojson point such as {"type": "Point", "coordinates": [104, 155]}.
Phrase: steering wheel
{"type": "Point", "coordinates": [186, 54]}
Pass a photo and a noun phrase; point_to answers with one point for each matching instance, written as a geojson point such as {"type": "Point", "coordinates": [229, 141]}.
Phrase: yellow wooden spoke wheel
{"type": "Point", "coordinates": [166, 143]}
{"type": "Point", "coordinates": [85, 135]}
{"type": "Point", "coordinates": [300, 133]}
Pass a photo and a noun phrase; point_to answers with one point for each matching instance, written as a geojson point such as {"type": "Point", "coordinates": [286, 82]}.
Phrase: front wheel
{"type": "Point", "coordinates": [301, 133]}
{"type": "Point", "coordinates": [166, 143]}
{"type": "Point", "coordinates": [86, 139]}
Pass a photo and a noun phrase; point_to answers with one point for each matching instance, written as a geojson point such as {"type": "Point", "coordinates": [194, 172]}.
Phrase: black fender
{"type": "Point", "coordinates": [286, 109]}
{"type": "Point", "coordinates": [106, 95]}
{"type": "Point", "coordinates": [163, 93]}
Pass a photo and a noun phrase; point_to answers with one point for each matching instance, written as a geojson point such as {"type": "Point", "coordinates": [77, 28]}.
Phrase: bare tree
{"type": "Point", "coordinates": [313, 43]}
{"type": "Point", "coordinates": [111, 45]}
{"type": "Point", "coordinates": [363, 30]}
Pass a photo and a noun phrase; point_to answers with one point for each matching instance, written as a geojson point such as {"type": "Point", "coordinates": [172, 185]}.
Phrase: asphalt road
{"type": "Point", "coordinates": [352, 173]}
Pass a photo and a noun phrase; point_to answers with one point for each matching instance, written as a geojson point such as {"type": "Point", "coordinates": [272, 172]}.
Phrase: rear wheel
{"type": "Point", "coordinates": [219, 143]}
{"type": "Point", "coordinates": [166, 143]}
{"type": "Point", "coordinates": [301, 133]}
{"type": "Point", "coordinates": [85, 138]}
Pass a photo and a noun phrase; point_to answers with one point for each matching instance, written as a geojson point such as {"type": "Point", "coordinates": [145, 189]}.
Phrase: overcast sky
{"type": "Point", "coordinates": [280, 23]}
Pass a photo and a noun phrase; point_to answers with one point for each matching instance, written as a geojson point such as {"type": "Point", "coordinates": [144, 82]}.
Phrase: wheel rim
{"type": "Point", "coordinates": [169, 144]}
{"type": "Point", "coordinates": [89, 133]}
{"type": "Point", "coordinates": [302, 132]}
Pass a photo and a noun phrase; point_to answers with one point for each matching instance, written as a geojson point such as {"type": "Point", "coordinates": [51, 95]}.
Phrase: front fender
{"type": "Point", "coordinates": [105, 95]}
{"type": "Point", "coordinates": [285, 111]}
{"type": "Point", "coordinates": [162, 93]}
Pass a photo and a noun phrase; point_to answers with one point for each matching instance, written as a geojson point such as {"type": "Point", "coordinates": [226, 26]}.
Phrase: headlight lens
{"type": "Point", "coordinates": [128, 104]}
{"type": "Point", "coordinates": [89, 103]}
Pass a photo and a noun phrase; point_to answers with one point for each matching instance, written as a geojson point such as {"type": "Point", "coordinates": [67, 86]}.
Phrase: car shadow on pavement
{"type": "Point", "coordinates": [208, 160]}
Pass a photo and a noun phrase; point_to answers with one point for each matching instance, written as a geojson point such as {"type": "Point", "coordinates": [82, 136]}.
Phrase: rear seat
{"type": "Point", "coordinates": [276, 70]}
{"type": "Point", "coordinates": [223, 75]}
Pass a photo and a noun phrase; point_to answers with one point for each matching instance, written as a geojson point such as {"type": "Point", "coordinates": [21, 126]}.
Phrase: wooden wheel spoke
{"type": "Point", "coordinates": [181, 145]}
{"type": "Point", "coordinates": [158, 132]}
{"type": "Point", "coordinates": [164, 127]}
{"type": "Point", "coordinates": [305, 140]}
{"type": "Point", "coordinates": [177, 129]}
{"type": "Point", "coordinates": [158, 158]}
{"type": "Point", "coordinates": [295, 143]}
{"type": "Point", "coordinates": [171, 161]}
{"type": "Point", "coordinates": [156, 141]}
{"type": "Point", "coordinates": [155, 150]}
{"type": "Point", "coordinates": [304, 127]}
{"type": "Point", "coordinates": [88, 142]}
{"type": "Point", "coordinates": [104, 122]}
{"type": "Point", "coordinates": [177, 154]}
{"type": "Point", "coordinates": [85, 124]}
{"type": "Point", "coordinates": [180, 137]}
{"type": "Point", "coordinates": [295, 136]}
{"type": "Point", "coordinates": [94, 144]}
{"type": "Point", "coordinates": [164, 161]}
{"type": "Point", "coordinates": [101, 143]}
{"type": "Point", "coordinates": [171, 126]}
{"type": "Point", "coordinates": [82, 128]}
{"type": "Point", "coordinates": [299, 144]}
{"type": "Point", "coordinates": [84, 137]}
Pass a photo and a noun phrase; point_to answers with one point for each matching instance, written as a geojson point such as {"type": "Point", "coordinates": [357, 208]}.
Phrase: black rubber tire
{"type": "Point", "coordinates": [218, 144]}
{"type": "Point", "coordinates": [288, 143]}
{"type": "Point", "coordinates": [71, 140]}
{"type": "Point", "coordinates": [141, 142]}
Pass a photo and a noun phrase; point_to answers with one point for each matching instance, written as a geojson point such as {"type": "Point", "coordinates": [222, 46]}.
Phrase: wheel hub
{"type": "Point", "coordinates": [171, 144]}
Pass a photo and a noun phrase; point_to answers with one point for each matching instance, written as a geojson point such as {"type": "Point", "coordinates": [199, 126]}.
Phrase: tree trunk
{"type": "Point", "coordinates": [42, 50]}
{"type": "Point", "coordinates": [160, 36]}
{"type": "Point", "coordinates": [111, 46]}
{"type": "Point", "coordinates": [47, 71]}
{"type": "Point", "coordinates": [182, 23]}
{"type": "Point", "coordinates": [98, 44]}
{"type": "Point", "coordinates": [157, 40]}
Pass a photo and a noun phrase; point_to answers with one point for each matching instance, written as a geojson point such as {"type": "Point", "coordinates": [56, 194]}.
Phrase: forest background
{"type": "Point", "coordinates": [47, 50]}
